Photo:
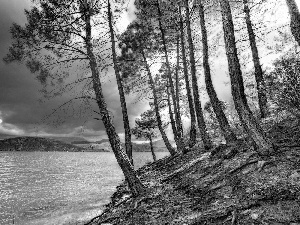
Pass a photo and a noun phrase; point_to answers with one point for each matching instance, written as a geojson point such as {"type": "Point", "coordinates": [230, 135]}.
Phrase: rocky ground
{"type": "Point", "coordinates": [229, 185]}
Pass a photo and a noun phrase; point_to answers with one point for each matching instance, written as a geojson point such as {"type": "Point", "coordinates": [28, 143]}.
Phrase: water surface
{"type": "Point", "coordinates": [53, 188]}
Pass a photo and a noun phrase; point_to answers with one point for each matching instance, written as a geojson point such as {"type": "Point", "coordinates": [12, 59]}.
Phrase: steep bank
{"type": "Point", "coordinates": [230, 185]}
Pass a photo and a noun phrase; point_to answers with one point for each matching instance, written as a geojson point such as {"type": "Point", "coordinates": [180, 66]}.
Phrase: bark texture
{"type": "Point", "coordinates": [177, 89]}
{"type": "Point", "coordinates": [215, 102]}
{"type": "Point", "coordinates": [200, 118]}
{"type": "Point", "coordinates": [159, 121]}
{"type": "Point", "coordinates": [260, 82]}
{"type": "Point", "coordinates": [171, 114]}
{"type": "Point", "coordinates": [152, 149]}
{"type": "Point", "coordinates": [193, 130]}
{"type": "Point", "coordinates": [128, 144]}
{"type": "Point", "coordinates": [295, 19]}
{"type": "Point", "coordinates": [134, 182]}
{"type": "Point", "coordinates": [251, 126]}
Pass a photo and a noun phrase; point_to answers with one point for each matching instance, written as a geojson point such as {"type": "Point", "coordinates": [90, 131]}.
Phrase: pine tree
{"type": "Point", "coordinates": [60, 33]}
{"type": "Point", "coordinates": [263, 145]}
{"type": "Point", "coordinates": [146, 127]}
{"type": "Point", "coordinates": [215, 102]}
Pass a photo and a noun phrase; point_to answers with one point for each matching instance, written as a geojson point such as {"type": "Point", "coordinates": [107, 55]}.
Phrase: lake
{"type": "Point", "coordinates": [58, 188]}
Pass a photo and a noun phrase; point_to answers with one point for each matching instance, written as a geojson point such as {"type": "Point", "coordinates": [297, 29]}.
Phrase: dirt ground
{"type": "Point", "coordinates": [231, 184]}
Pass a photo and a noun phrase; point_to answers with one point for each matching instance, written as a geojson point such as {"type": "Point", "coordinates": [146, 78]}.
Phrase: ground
{"type": "Point", "coordinates": [231, 184]}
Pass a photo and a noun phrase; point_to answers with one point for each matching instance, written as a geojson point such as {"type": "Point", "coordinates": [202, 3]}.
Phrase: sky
{"type": "Point", "coordinates": [23, 110]}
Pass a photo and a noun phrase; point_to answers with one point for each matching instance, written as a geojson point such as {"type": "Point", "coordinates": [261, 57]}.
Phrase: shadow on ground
{"type": "Point", "coordinates": [229, 185]}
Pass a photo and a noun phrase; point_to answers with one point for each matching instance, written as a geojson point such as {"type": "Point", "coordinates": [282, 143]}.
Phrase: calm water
{"type": "Point", "coordinates": [55, 188]}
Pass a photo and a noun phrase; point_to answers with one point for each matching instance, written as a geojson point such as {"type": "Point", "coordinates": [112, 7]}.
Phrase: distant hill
{"type": "Point", "coordinates": [13, 143]}
{"type": "Point", "coordinates": [6, 136]}
{"type": "Point", "coordinates": [102, 141]}
{"type": "Point", "coordinates": [81, 142]}
{"type": "Point", "coordinates": [36, 144]}
{"type": "Point", "coordinates": [68, 140]}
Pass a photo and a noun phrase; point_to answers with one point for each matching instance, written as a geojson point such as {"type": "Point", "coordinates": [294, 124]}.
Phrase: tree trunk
{"type": "Point", "coordinates": [171, 115]}
{"type": "Point", "coordinates": [134, 182]}
{"type": "Point", "coordinates": [260, 82]}
{"type": "Point", "coordinates": [159, 122]}
{"type": "Point", "coordinates": [152, 149]}
{"type": "Point", "coordinates": [193, 131]}
{"type": "Point", "coordinates": [200, 118]}
{"type": "Point", "coordinates": [178, 114]}
{"type": "Point", "coordinates": [263, 144]}
{"type": "Point", "coordinates": [215, 102]}
{"type": "Point", "coordinates": [178, 140]}
{"type": "Point", "coordinates": [128, 144]}
{"type": "Point", "coordinates": [295, 19]}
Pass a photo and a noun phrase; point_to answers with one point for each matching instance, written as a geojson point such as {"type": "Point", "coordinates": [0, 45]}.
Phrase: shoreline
{"type": "Point", "coordinates": [230, 185]}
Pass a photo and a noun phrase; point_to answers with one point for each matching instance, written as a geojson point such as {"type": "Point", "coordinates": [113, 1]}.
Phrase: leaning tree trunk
{"type": "Point", "coordinates": [263, 144]}
{"type": "Point", "coordinates": [159, 122]}
{"type": "Point", "coordinates": [134, 182]}
{"type": "Point", "coordinates": [152, 149]}
{"type": "Point", "coordinates": [295, 19]}
{"type": "Point", "coordinates": [171, 115]}
{"type": "Point", "coordinates": [215, 102]}
{"type": "Point", "coordinates": [200, 118]}
{"type": "Point", "coordinates": [179, 141]}
{"type": "Point", "coordinates": [260, 82]}
{"type": "Point", "coordinates": [193, 131]}
{"type": "Point", "coordinates": [178, 114]}
{"type": "Point", "coordinates": [128, 144]}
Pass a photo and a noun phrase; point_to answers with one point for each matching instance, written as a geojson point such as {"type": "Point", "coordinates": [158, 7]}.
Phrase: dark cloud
{"type": "Point", "coordinates": [23, 110]}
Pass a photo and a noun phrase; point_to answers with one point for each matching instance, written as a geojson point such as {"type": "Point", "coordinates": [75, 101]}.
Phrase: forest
{"type": "Point", "coordinates": [237, 161]}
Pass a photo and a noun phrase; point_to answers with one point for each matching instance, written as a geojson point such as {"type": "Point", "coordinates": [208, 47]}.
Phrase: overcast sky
{"type": "Point", "coordinates": [23, 111]}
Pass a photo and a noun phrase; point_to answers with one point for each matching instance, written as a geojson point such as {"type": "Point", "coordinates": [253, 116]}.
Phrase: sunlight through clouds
{"type": "Point", "coordinates": [127, 17]}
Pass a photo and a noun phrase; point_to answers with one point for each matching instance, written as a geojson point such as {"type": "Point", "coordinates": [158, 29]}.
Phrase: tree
{"type": "Point", "coordinates": [295, 19]}
{"type": "Point", "coordinates": [215, 102]}
{"type": "Point", "coordinates": [138, 42]}
{"type": "Point", "coordinates": [145, 127]}
{"type": "Point", "coordinates": [160, 15]}
{"type": "Point", "coordinates": [159, 121]}
{"type": "Point", "coordinates": [177, 90]}
{"type": "Point", "coordinates": [128, 144]}
{"type": "Point", "coordinates": [260, 82]}
{"type": "Point", "coordinates": [193, 131]}
{"type": "Point", "coordinates": [164, 87]}
{"type": "Point", "coordinates": [60, 33]}
{"type": "Point", "coordinates": [284, 84]}
{"type": "Point", "coordinates": [200, 118]}
{"type": "Point", "coordinates": [177, 133]}
{"type": "Point", "coordinates": [251, 126]}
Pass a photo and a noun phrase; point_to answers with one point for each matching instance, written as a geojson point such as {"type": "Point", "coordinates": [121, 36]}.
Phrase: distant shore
{"type": "Point", "coordinates": [31, 144]}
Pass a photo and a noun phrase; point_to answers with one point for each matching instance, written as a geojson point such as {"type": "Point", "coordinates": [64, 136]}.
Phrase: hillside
{"type": "Point", "coordinates": [230, 185]}
{"type": "Point", "coordinates": [6, 136]}
{"type": "Point", "coordinates": [68, 140]}
{"type": "Point", "coordinates": [36, 144]}
{"type": "Point", "coordinates": [102, 141]}
{"type": "Point", "coordinates": [81, 143]}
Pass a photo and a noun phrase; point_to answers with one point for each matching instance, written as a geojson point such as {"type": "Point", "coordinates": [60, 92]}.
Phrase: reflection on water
{"type": "Point", "coordinates": [57, 187]}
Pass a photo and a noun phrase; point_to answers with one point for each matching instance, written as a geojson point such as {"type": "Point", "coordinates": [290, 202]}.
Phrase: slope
{"type": "Point", "coordinates": [230, 185]}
